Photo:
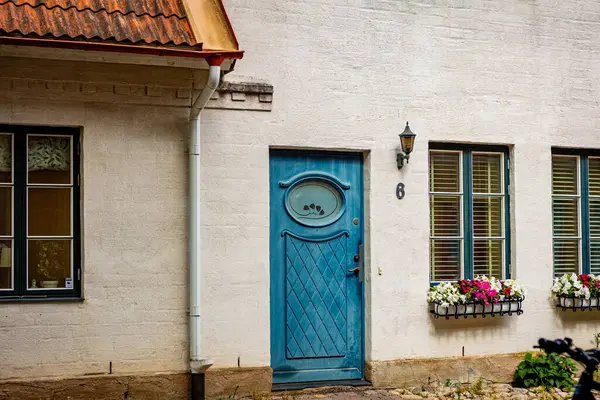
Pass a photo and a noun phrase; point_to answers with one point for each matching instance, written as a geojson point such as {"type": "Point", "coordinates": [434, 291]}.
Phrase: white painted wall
{"type": "Point", "coordinates": [135, 274]}
{"type": "Point", "coordinates": [347, 75]}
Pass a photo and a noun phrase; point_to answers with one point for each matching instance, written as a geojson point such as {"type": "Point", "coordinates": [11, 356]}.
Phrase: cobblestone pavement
{"type": "Point", "coordinates": [460, 392]}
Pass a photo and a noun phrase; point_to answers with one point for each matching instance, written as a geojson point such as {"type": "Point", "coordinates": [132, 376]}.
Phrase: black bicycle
{"type": "Point", "coordinates": [589, 358]}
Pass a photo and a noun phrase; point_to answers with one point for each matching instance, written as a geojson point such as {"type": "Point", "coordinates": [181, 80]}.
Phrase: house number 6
{"type": "Point", "coordinates": [400, 191]}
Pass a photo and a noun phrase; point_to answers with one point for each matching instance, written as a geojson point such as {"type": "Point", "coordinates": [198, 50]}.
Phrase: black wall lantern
{"type": "Point", "coordinates": [407, 141]}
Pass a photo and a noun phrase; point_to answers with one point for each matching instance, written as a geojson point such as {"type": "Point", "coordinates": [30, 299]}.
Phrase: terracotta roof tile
{"type": "Point", "coordinates": [153, 8]}
{"type": "Point", "coordinates": [158, 22]}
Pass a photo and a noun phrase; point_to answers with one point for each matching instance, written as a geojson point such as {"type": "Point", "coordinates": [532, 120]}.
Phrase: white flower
{"type": "Point", "coordinates": [570, 285]}
{"type": "Point", "coordinates": [445, 294]}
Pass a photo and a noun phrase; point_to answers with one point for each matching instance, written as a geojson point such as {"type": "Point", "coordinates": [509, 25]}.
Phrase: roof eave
{"type": "Point", "coordinates": [120, 48]}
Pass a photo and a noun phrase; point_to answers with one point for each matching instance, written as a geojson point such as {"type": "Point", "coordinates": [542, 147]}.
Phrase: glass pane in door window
{"type": "Point", "coordinates": [49, 159]}
{"type": "Point", "coordinates": [48, 263]}
{"type": "Point", "coordinates": [49, 211]}
{"type": "Point", "coordinates": [6, 265]}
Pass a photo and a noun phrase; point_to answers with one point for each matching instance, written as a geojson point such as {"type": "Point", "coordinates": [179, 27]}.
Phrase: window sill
{"type": "Point", "coordinates": [40, 299]}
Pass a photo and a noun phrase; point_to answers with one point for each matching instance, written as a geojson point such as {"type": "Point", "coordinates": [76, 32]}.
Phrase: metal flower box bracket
{"type": "Point", "coordinates": [502, 308]}
{"type": "Point", "coordinates": [577, 303]}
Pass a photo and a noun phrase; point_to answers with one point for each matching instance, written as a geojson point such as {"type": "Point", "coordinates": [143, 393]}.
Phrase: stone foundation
{"type": "Point", "coordinates": [105, 387]}
{"type": "Point", "coordinates": [413, 372]}
{"type": "Point", "coordinates": [222, 382]}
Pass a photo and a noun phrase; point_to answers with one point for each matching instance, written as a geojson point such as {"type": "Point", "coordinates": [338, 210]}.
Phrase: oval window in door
{"type": "Point", "coordinates": [314, 202]}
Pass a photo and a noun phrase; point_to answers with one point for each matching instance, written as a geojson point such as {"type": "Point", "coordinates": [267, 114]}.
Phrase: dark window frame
{"type": "Point", "coordinates": [20, 291]}
{"type": "Point", "coordinates": [467, 150]}
{"type": "Point", "coordinates": [583, 155]}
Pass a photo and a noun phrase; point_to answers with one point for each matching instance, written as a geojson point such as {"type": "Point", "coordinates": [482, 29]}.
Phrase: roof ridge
{"type": "Point", "coordinates": [103, 9]}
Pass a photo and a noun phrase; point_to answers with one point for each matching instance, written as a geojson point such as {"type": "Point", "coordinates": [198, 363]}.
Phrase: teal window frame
{"type": "Point", "coordinates": [584, 205]}
{"type": "Point", "coordinates": [467, 151]}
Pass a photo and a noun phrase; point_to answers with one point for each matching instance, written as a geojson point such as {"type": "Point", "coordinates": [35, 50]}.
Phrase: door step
{"type": "Point", "coordinates": [279, 387]}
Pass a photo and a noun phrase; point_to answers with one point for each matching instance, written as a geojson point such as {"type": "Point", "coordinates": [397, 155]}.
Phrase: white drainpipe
{"type": "Point", "coordinates": [198, 365]}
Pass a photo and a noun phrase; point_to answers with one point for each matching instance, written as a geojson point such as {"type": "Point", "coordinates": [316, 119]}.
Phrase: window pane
{"type": "Point", "coordinates": [5, 211]}
{"type": "Point", "coordinates": [565, 216]}
{"type": "Point", "coordinates": [487, 173]}
{"type": "Point", "coordinates": [595, 256]}
{"type": "Point", "coordinates": [48, 263]}
{"type": "Point", "coordinates": [49, 159]}
{"type": "Point", "coordinates": [444, 171]}
{"type": "Point", "coordinates": [594, 176]}
{"type": "Point", "coordinates": [445, 215]}
{"type": "Point", "coordinates": [566, 256]}
{"type": "Point", "coordinates": [595, 217]}
{"type": "Point", "coordinates": [487, 257]}
{"type": "Point", "coordinates": [445, 259]}
{"type": "Point", "coordinates": [6, 267]}
{"type": "Point", "coordinates": [5, 158]}
{"type": "Point", "coordinates": [564, 175]}
{"type": "Point", "coordinates": [49, 211]}
{"type": "Point", "coordinates": [487, 216]}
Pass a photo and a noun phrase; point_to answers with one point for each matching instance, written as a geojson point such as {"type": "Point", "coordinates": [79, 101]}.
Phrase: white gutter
{"type": "Point", "coordinates": [197, 364]}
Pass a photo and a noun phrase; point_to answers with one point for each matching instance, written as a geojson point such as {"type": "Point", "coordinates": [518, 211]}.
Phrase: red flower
{"type": "Point", "coordinates": [507, 291]}
{"type": "Point", "coordinates": [585, 278]}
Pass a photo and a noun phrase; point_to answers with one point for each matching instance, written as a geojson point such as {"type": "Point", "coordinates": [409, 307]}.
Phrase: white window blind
{"type": "Point", "coordinates": [446, 240]}
{"type": "Point", "coordinates": [565, 214]}
{"type": "Point", "coordinates": [594, 207]}
{"type": "Point", "coordinates": [488, 217]}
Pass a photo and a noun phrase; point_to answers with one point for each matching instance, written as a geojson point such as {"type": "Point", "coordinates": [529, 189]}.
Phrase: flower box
{"type": "Point", "coordinates": [480, 296]}
{"type": "Point", "coordinates": [575, 303]}
{"type": "Point", "coordinates": [506, 307]}
{"type": "Point", "coordinates": [577, 292]}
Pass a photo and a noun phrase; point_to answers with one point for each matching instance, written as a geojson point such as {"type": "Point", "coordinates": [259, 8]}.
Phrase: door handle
{"type": "Point", "coordinates": [359, 258]}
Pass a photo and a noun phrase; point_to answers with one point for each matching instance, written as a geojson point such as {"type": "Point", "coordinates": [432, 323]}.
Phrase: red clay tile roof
{"type": "Point", "coordinates": [151, 22]}
{"type": "Point", "coordinates": [144, 23]}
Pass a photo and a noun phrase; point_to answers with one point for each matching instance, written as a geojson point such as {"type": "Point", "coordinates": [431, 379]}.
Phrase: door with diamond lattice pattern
{"type": "Point", "coordinates": [316, 202]}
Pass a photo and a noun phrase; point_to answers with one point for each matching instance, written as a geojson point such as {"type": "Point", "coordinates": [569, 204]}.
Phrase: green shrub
{"type": "Point", "coordinates": [546, 370]}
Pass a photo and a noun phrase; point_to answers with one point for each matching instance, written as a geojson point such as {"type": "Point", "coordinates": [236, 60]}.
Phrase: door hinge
{"type": "Point", "coordinates": [78, 180]}
{"type": "Point", "coordinates": [78, 274]}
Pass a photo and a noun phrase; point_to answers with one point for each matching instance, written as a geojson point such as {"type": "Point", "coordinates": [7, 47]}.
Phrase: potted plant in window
{"type": "Point", "coordinates": [49, 265]}
{"type": "Point", "coordinates": [479, 296]}
{"type": "Point", "coordinates": [577, 291]}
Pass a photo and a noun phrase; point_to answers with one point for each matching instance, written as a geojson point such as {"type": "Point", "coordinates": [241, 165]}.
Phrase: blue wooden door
{"type": "Point", "coordinates": [316, 204]}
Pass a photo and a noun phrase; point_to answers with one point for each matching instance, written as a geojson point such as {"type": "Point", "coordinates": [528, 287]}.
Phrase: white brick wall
{"type": "Point", "coordinates": [347, 75]}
